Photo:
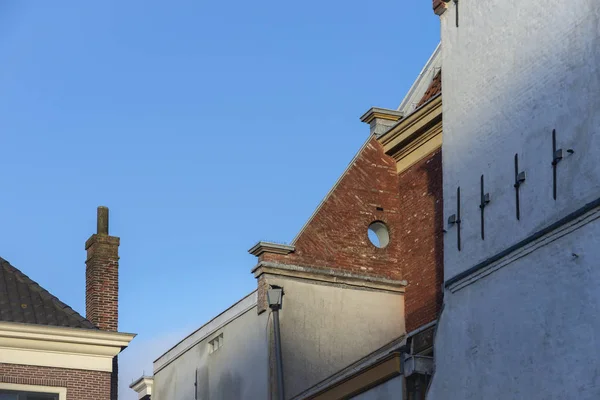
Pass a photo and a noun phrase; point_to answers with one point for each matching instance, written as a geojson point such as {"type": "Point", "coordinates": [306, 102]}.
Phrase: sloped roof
{"type": "Point", "coordinates": [433, 90]}
{"type": "Point", "coordinates": [422, 83]}
{"type": "Point", "coordinates": [23, 300]}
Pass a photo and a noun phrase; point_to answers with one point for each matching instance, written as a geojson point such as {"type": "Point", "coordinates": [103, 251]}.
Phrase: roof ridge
{"type": "Point", "coordinates": [45, 294]}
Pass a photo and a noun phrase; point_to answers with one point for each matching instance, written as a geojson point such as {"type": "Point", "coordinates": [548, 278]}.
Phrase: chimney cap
{"type": "Point", "coordinates": [102, 220]}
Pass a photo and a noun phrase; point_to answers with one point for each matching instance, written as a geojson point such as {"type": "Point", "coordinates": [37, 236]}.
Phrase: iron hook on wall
{"type": "Point", "coordinates": [454, 219]}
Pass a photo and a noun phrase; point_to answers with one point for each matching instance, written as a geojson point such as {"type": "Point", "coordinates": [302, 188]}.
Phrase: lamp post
{"type": "Point", "coordinates": [275, 298]}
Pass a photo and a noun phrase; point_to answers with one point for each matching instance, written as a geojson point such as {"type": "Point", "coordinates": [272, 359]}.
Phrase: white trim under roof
{"type": "Point", "coordinates": [143, 386]}
{"type": "Point", "coordinates": [218, 322]}
{"type": "Point", "coordinates": [61, 347]}
{"type": "Point", "coordinates": [421, 84]}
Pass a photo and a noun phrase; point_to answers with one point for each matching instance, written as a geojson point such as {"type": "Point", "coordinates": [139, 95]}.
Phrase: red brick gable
{"type": "Point", "coordinates": [336, 235]}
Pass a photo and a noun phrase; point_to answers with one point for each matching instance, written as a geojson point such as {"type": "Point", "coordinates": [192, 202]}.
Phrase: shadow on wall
{"type": "Point", "coordinates": [229, 387]}
{"type": "Point", "coordinates": [421, 235]}
{"type": "Point", "coordinates": [436, 189]}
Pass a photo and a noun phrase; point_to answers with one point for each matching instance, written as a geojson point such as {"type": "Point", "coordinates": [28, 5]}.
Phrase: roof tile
{"type": "Point", "coordinates": [433, 90]}
{"type": "Point", "coordinates": [23, 300]}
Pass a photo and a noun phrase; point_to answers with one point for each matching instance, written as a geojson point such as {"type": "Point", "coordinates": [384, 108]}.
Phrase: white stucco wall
{"type": "Point", "coordinates": [512, 72]}
{"type": "Point", "coordinates": [325, 328]}
{"type": "Point", "coordinates": [388, 390]}
{"type": "Point", "coordinates": [530, 330]}
{"type": "Point", "coordinates": [237, 370]}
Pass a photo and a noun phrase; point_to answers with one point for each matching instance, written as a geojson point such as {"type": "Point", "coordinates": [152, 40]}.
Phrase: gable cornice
{"type": "Point", "coordinates": [61, 347]}
{"type": "Point", "coordinates": [416, 136]}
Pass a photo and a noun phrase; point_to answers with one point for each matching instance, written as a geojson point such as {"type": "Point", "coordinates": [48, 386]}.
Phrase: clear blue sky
{"type": "Point", "coordinates": [204, 126]}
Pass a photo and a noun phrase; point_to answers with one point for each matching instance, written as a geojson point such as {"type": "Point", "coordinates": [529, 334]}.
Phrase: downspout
{"type": "Point", "coordinates": [275, 301]}
{"type": "Point", "coordinates": [278, 358]}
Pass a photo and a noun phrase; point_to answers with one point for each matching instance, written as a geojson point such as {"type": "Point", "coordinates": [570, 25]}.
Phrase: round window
{"type": "Point", "coordinates": [379, 234]}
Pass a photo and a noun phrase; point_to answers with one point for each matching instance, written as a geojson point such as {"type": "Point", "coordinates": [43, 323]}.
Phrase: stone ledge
{"type": "Point", "coordinates": [331, 276]}
{"type": "Point", "coordinates": [269, 247]}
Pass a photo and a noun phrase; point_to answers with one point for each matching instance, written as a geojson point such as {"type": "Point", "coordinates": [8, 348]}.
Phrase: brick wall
{"type": "Point", "coordinates": [81, 385]}
{"type": "Point", "coordinates": [336, 237]}
{"type": "Point", "coordinates": [421, 255]}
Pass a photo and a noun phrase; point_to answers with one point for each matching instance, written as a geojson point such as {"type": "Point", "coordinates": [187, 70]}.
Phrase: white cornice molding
{"type": "Point", "coordinates": [62, 347]}
{"type": "Point", "coordinates": [143, 386]}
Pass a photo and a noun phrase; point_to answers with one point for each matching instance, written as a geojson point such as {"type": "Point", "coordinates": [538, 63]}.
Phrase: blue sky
{"type": "Point", "coordinates": [203, 126]}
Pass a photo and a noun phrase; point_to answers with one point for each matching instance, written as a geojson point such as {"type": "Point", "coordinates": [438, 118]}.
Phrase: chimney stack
{"type": "Point", "coordinates": [102, 285]}
{"type": "Point", "coordinates": [102, 276]}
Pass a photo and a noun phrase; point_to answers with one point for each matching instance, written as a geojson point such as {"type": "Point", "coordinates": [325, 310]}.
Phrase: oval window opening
{"type": "Point", "coordinates": [379, 235]}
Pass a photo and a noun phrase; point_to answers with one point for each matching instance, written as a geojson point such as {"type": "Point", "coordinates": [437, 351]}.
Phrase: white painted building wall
{"type": "Point", "coordinates": [325, 328]}
{"type": "Point", "coordinates": [237, 370]}
{"type": "Point", "coordinates": [513, 71]}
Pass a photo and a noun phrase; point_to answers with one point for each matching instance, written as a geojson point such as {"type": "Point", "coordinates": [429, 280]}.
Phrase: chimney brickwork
{"type": "Point", "coordinates": [102, 283]}
{"type": "Point", "coordinates": [102, 276]}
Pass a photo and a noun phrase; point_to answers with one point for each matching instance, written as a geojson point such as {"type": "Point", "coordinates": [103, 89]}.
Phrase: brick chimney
{"type": "Point", "coordinates": [102, 284]}
{"type": "Point", "coordinates": [102, 276]}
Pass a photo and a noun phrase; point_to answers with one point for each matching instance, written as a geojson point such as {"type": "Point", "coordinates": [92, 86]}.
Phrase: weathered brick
{"type": "Point", "coordinates": [410, 204]}
{"type": "Point", "coordinates": [422, 256]}
{"type": "Point", "coordinates": [336, 236]}
{"type": "Point", "coordinates": [102, 285]}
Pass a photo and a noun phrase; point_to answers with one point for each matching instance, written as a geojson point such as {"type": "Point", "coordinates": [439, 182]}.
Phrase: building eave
{"type": "Point", "coordinates": [64, 347]}
{"type": "Point", "coordinates": [143, 386]}
{"type": "Point", "coordinates": [415, 136]}
{"type": "Point", "coordinates": [368, 372]}
{"type": "Point", "coordinates": [235, 311]}
{"type": "Point", "coordinates": [329, 275]}
{"type": "Point", "coordinates": [422, 82]}
{"type": "Point", "coordinates": [383, 113]}
{"type": "Point", "coordinates": [381, 365]}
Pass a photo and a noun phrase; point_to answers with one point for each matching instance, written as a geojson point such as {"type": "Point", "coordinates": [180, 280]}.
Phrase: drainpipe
{"type": "Point", "coordinates": [274, 298]}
